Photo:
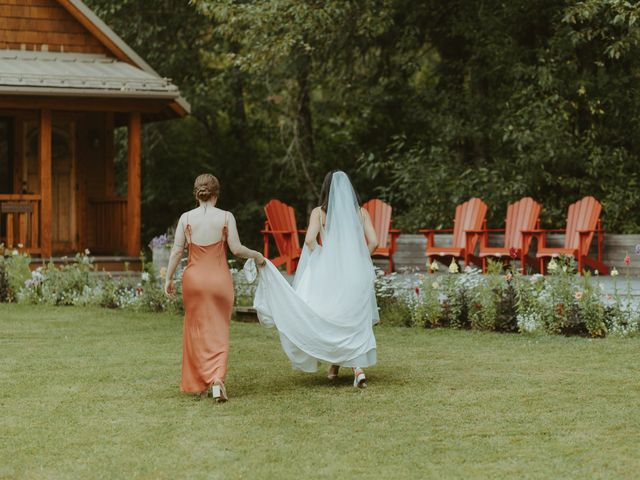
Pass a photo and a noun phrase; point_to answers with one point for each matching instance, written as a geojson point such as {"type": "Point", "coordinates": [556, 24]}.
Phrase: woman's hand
{"type": "Point", "coordinates": [168, 288]}
{"type": "Point", "coordinates": [260, 261]}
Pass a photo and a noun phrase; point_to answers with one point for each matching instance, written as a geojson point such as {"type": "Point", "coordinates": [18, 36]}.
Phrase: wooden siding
{"type": "Point", "coordinates": [43, 25]}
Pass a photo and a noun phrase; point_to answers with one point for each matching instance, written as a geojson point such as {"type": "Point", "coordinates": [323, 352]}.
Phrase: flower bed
{"type": "Point", "coordinates": [78, 283]}
{"type": "Point", "coordinates": [562, 302]}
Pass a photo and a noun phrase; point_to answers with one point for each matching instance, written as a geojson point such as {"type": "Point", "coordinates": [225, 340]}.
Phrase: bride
{"type": "Point", "coordinates": [329, 312]}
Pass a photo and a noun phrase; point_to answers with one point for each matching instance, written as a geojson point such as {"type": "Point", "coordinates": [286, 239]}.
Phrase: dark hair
{"type": "Point", "coordinates": [326, 188]}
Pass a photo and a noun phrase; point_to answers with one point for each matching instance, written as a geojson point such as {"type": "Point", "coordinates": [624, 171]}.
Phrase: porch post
{"type": "Point", "coordinates": [134, 186]}
{"type": "Point", "coordinates": [109, 168]}
{"type": "Point", "coordinates": [46, 190]}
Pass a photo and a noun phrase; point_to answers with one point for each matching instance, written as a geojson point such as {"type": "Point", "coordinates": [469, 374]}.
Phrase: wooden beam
{"type": "Point", "coordinates": [109, 154]}
{"type": "Point", "coordinates": [46, 185]}
{"type": "Point", "coordinates": [81, 104]}
{"type": "Point", "coordinates": [134, 185]}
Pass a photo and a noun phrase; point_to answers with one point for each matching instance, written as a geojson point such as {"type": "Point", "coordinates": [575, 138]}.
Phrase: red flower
{"type": "Point", "coordinates": [417, 291]}
{"type": "Point", "coordinates": [627, 260]}
{"type": "Point", "coordinates": [513, 253]}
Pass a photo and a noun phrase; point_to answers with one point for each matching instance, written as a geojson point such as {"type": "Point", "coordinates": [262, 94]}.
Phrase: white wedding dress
{"type": "Point", "coordinates": [329, 312]}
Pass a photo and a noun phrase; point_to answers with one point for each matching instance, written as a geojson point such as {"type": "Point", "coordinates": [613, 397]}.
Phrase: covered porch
{"type": "Point", "coordinates": [59, 189]}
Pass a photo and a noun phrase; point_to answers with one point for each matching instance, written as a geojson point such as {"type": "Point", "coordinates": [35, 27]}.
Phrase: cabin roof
{"type": "Point", "coordinates": [79, 74]}
{"type": "Point", "coordinates": [126, 75]}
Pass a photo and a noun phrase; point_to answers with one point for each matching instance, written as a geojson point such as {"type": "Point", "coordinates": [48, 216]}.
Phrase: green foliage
{"type": "Point", "coordinates": [425, 103]}
{"type": "Point", "coordinates": [429, 312]}
{"type": "Point", "coordinates": [14, 272]}
{"type": "Point", "coordinates": [5, 289]}
{"type": "Point", "coordinates": [494, 300]}
{"type": "Point", "coordinates": [562, 303]}
{"type": "Point", "coordinates": [396, 312]}
{"type": "Point", "coordinates": [63, 285]}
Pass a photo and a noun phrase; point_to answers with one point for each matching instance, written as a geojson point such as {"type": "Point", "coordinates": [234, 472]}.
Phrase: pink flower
{"type": "Point", "coordinates": [513, 253]}
{"type": "Point", "coordinates": [578, 295]}
{"type": "Point", "coordinates": [627, 260]}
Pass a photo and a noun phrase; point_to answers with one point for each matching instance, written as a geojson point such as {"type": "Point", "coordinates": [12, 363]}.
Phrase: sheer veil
{"type": "Point", "coordinates": [328, 313]}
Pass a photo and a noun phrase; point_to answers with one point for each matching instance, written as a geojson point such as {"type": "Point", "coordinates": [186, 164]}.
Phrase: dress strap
{"type": "Point", "coordinates": [187, 230]}
{"type": "Point", "coordinates": [225, 228]}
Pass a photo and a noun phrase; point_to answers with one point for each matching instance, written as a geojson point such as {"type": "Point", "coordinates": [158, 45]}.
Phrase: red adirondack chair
{"type": "Point", "coordinates": [470, 217]}
{"type": "Point", "coordinates": [583, 220]}
{"type": "Point", "coordinates": [281, 223]}
{"type": "Point", "coordinates": [380, 213]}
{"type": "Point", "coordinates": [521, 215]}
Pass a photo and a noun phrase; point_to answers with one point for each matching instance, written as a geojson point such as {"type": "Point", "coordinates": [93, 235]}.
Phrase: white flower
{"type": "Point", "coordinates": [535, 277]}
{"type": "Point", "coordinates": [87, 251]}
{"type": "Point", "coordinates": [553, 265]}
{"type": "Point", "coordinates": [145, 276]}
{"type": "Point", "coordinates": [435, 285]}
{"type": "Point", "coordinates": [433, 266]}
{"type": "Point", "coordinates": [614, 272]}
{"type": "Point", "coordinates": [564, 268]}
{"type": "Point", "coordinates": [20, 245]}
{"type": "Point", "coordinates": [14, 253]}
{"type": "Point", "coordinates": [453, 268]}
{"type": "Point", "coordinates": [596, 272]}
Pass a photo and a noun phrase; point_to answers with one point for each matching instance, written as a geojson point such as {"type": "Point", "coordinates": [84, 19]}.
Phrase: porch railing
{"type": "Point", "coordinates": [108, 224]}
{"type": "Point", "coordinates": [20, 222]}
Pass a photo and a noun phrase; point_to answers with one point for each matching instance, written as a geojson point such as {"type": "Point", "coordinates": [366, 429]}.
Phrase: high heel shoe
{"type": "Point", "coordinates": [333, 372]}
{"type": "Point", "coordinates": [218, 392]}
{"type": "Point", "coordinates": [359, 380]}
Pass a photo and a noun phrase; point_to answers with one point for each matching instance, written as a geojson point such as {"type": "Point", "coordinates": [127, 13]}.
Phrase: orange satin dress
{"type": "Point", "coordinates": [207, 294]}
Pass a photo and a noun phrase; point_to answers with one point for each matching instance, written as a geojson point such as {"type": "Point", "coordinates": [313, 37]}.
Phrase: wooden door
{"type": "Point", "coordinates": [63, 160]}
{"type": "Point", "coordinates": [6, 155]}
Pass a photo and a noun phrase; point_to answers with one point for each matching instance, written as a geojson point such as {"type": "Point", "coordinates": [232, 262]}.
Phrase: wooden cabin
{"type": "Point", "coordinates": [66, 82]}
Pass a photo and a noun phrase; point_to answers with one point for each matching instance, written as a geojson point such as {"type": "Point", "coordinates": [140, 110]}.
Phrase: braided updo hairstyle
{"type": "Point", "coordinates": [206, 187]}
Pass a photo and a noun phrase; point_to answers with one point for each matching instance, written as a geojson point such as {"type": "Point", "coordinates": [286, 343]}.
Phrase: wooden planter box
{"type": "Point", "coordinates": [245, 314]}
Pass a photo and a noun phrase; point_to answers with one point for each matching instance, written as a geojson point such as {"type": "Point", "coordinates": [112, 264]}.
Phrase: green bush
{"type": "Point", "coordinates": [14, 272]}
{"type": "Point", "coordinates": [562, 302]}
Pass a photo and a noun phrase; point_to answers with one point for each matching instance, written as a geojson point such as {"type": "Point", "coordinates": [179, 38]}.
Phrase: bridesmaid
{"type": "Point", "coordinates": [207, 288]}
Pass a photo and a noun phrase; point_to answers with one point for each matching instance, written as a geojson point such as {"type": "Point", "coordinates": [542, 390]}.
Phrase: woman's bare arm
{"type": "Point", "coordinates": [311, 238]}
{"type": "Point", "coordinates": [236, 247]}
{"type": "Point", "coordinates": [369, 232]}
{"type": "Point", "coordinates": [176, 255]}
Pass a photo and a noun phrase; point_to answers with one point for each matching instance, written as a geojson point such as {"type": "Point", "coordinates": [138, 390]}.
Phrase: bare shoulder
{"type": "Point", "coordinates": [316, 212]}
{"type": "Point", "coordinates": [227, 215]}
{"type": "Point", "coordinates": [184, 217]}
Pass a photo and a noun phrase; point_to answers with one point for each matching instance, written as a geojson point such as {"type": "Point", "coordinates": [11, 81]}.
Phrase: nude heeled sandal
{"type": "Point", "coordinates": [359, 379]}
{"type": "Point", "coordinates": [218, 392]}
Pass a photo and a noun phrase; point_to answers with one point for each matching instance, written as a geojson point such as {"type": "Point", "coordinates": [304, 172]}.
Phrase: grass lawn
{"type": "Point", "coordinates": [93, 393]}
